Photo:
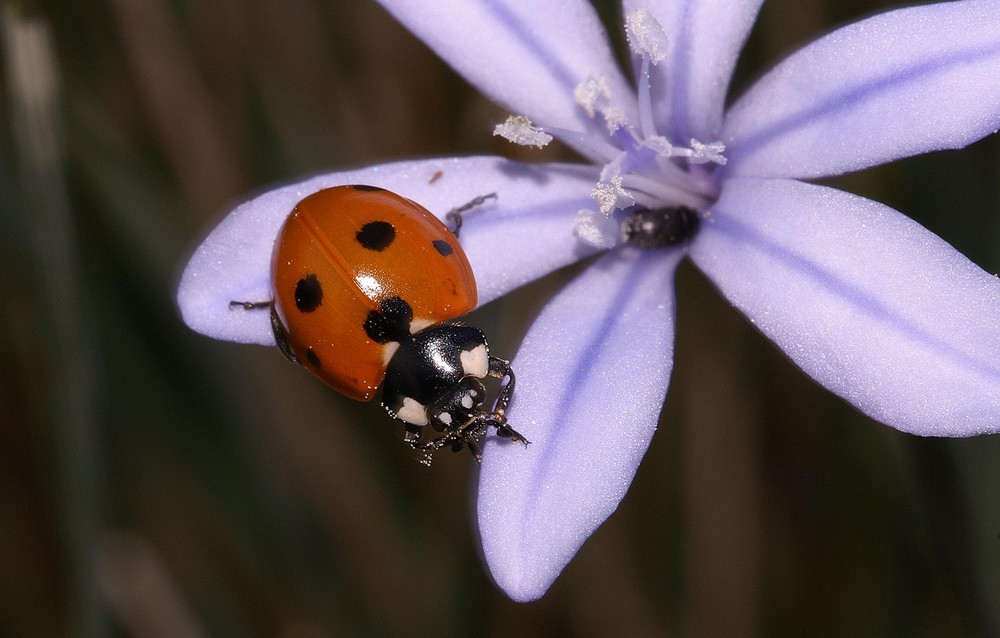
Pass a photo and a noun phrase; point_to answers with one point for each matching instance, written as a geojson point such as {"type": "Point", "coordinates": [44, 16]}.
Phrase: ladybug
{"type": "Point", "coordinates": [363, 282]}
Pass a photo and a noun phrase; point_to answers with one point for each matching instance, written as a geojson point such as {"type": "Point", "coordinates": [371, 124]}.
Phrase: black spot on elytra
{"type": "Point", "coordinates": [366, 188]}
{"type": "Point", "coordinates": [376, 235]}
{"type": "Point", "coordinates": [443, 247]}
{"type": "Point", "coordinates": [391, 322]}
{"type": "Point", "coordinates": [313, 358]}
{"type": "Point", "coordinates": [308, 294]}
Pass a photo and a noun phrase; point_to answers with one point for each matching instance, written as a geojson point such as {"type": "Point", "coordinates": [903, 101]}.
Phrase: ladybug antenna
{"type": "Point", "coordinates": [455, 214]}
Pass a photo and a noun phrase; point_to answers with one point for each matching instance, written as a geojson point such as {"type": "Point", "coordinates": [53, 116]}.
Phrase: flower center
{"type": "Point", "coordinates": [660, 227]}
{"type": "Point", "coordinates": [651, 190]}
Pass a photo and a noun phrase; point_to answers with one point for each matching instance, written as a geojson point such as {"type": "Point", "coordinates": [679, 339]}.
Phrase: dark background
{"type": "Point", "coordinates": [155, 482]}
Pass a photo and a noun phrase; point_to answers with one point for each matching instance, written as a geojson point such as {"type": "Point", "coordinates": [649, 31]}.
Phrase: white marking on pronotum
{"type": "Point", "coordinates": [475, 362]}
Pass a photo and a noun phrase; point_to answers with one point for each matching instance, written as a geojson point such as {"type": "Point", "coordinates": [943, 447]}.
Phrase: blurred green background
{"type": "Point", "coordinates": [154, 482]}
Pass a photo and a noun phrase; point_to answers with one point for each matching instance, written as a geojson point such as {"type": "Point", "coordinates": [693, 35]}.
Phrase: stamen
{"type": "Point", "coordinates": [595, 229]}
{"type": "Point", "coordinates": [646, 36]}
{"type": "Point", "coordinates": [593, 147]}
{"type": "Point", "coordinates": [671, 170]}
{"type": "Point", "coordinates": [608, 194]}
{"type": "Point", "coordinates": [659, 145]}
{"type": "Point", "coordinates": [612, 168]}
{"type": "Point", "coordinates": [665, 193]}
{"type": "Point", "coordinates": [615, 119]}
{"type": "Point", "coordinates": [647, 125]}
{"type": "Point", "coordinates": [705, 153]}
{"type": "Point", "coordinates": [593, 95]}
{"type": "Point", "coordinates": [519, 130]}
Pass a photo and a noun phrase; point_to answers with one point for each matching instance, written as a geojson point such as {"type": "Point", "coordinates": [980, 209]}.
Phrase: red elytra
{"type": "Point", "coordinates": [341, 253]}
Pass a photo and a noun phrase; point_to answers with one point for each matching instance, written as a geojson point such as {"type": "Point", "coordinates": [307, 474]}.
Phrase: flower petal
{"type": "Point", "coordinates": [591, 378]}
{"type": "Point", "coordinates": [524, 234]}
{"type": "Point", "coordinates": [703, 39]}
{"type": "Point", "coordinates": [898, 84]}
{"type": "Point", "coordinates": [527, 55]}
{"type": "Point", "coordinates": [868, 302]}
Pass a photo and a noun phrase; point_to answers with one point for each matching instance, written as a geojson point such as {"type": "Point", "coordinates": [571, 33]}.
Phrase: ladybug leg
{"type": "Point", "coordinates": [412, 438]}
{"type": "Point", "coordinates": [500, 368]}
{"type": "Point", "coordinates": [505, 431]}
{"type": "Point", "coordinates": [411, 435]}
{"type": "Point", "coordinates": [280, 337]}
{"type": "Point", "coordinates": [427, 450]}
{"type": "Point", "coordinates": [251, 305]}
{"type": "Point", "coordinates": [468, 436]}
{"type": "Point", "coordinates": [455, 214]}
{"type": "Point", "coordinates": [477, 453]}
{"type": "Point", "coordinates": [472, 434]}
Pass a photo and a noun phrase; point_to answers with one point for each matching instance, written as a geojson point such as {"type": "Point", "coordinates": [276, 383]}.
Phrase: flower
{"type": "Point", "coordinates": [870, 304]}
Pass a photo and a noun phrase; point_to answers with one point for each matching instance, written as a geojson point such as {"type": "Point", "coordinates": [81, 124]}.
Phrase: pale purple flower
{"type": "Point", "coordinates": [870, 304]}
